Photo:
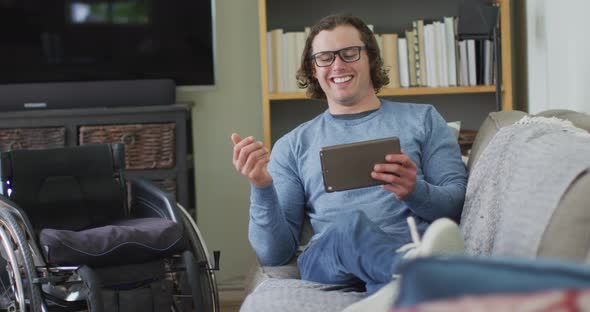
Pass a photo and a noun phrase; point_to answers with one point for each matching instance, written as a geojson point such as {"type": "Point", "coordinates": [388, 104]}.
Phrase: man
{"type": "Point", "coordinates": [358, 233]}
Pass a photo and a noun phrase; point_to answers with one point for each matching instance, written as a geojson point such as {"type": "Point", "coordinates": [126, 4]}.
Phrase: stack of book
{"type": "Point", "coordinates": [284, 58]}
{"type": "Point", "coordinates": [425, 55]}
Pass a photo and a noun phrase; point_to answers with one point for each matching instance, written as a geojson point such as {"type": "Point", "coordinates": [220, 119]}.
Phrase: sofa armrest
{"type": "Point", "coordinates": [490, 126]}
{"type": "Point", "coordinates": [259, 273]}
{"type": "Point", "coordinates": [579, 119]}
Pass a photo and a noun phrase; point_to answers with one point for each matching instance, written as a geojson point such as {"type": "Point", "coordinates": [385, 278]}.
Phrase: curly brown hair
{"type": "Point", "coordinates": [305, 78]}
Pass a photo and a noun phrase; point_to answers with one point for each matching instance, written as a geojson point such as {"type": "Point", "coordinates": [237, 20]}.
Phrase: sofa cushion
{"type": "Point", "coordinates": [297, 295]}
{"type": "Point", "coordinates": [429, 279]}
{"type": "Point", "coordinates": [258, 273]}
{"type": "Point", "coordinates": [455, 127]}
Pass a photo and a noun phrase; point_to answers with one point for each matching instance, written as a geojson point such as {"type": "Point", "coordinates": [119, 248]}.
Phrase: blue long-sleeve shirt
{"type": "Point", "coordinates": [277, 211]}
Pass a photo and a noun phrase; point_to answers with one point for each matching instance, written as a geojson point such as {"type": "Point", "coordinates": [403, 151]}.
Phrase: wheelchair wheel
{"type": "Point", "coordinates": [18, 273]}
{"type": "Point", "coordinates": [199, 267]}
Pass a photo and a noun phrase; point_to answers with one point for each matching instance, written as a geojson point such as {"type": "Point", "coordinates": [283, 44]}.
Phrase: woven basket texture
{"type": "Point", "coordinates": [147, 146]}
{"type": "Point", "coordinates": [32, 138]}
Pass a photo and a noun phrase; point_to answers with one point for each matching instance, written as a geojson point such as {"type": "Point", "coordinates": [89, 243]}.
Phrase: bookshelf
{"type": "Point", "coordinates": [385, 16]}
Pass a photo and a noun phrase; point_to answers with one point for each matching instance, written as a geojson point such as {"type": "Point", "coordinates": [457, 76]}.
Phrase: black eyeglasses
{"type": "Point", "coordinates": [348, 55]}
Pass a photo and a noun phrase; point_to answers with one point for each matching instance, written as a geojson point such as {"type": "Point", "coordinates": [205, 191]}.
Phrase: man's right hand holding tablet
{"type": "Point", "coordinates": [250, 158]}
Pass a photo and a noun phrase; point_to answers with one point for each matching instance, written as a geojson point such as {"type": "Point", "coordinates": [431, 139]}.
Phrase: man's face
{"type": "Point", "coordinates": [344, 83]}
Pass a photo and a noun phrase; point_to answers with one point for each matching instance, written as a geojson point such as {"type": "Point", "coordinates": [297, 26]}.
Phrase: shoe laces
{"type": "Point", "coordinates": [414, 231]}
{"type": "Point", "coordinates": [416, 241]}
{"type": "Point", "coordinates": [411, 250]}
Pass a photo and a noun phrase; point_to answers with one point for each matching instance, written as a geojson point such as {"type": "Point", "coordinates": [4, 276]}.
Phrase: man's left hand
{"type": "Point", "coordinates": [399, 174]}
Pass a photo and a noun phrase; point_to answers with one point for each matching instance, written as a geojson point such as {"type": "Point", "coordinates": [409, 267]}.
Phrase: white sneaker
{"type": "Point", "coordinates": [442, 238]}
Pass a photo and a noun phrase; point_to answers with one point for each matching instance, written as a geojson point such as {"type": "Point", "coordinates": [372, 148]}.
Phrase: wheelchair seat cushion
{"type": "Point", "coordinates": [122, 242]}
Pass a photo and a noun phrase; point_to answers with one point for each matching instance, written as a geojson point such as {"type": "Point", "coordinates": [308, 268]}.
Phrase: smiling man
{"type": "Point", "coordinates": [360, 235]}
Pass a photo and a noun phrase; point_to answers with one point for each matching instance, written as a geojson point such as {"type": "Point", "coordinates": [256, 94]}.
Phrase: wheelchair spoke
{"type": "Point", "coordinates": [20, 265]}
{"type": "Point", "coordinates": [12, 267]}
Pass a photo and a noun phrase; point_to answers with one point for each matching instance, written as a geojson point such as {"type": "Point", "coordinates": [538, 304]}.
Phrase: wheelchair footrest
{"type": "Point", "coordinates": [139, 287]}
{"type": "Point", "coordinates": [155, 296]}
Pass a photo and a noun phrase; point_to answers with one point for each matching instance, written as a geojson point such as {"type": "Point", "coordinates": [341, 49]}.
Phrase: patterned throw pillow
{"type": "Point", "coordinates": [430, 279]}
{"type": "Point", "coordinates": [556, 300]}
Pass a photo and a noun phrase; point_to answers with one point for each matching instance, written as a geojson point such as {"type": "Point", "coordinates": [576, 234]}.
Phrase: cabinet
{"type": "Point", "coordinates": [283, 111]}
{"type": "Point", "coordinates": [156, 138]}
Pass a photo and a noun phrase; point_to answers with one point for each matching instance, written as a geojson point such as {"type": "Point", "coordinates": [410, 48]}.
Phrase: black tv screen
{"type": "Point", "coordinates": [93, 40]}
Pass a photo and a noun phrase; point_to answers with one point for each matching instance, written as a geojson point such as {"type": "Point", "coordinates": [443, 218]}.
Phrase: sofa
{"type": "Point", "coordinates": [563, 236]}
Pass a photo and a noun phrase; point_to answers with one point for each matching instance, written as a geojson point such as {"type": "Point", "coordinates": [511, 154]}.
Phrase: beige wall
{"type": "Point", "coordinates": [234, 104]}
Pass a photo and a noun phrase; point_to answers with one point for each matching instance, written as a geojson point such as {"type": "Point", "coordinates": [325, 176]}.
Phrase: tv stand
{"type": "Point", "coordinates": [157, 139]}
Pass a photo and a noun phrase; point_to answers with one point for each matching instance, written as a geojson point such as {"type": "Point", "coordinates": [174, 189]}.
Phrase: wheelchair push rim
{"type": "Point", "coordinates": [201, 252]}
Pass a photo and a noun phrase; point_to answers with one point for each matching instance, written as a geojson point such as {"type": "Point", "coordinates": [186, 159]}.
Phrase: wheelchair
{"type": "Point", "coordinates": [77, 234]}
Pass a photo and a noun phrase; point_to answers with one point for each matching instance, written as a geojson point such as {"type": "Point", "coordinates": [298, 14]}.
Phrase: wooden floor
{"type": "Point", "coordinates": [230, 306]}
{"type": "Point", "coordinates": [230, 301]}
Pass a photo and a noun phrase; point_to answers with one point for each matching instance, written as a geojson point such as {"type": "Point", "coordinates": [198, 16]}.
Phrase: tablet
{"type": "Point", "coordinates": [349, 166]}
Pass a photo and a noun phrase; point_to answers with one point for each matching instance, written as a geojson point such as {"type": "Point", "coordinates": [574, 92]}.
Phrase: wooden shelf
{"type": "Point", "coordinates": [398, 92]}
{"type": "Point", "coordinates": [270, 99]}
{"type": "Point", "coordinates": [429, 91]}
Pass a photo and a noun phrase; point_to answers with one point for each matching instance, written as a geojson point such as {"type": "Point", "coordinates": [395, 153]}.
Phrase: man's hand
{"type": "Point", "coordinates": [399, 174]}
{"type": "Point", "coordinates": [250, 159]}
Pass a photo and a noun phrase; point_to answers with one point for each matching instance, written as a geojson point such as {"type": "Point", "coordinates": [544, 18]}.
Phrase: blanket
{"type": "Point", "coordinates": [517, 183]}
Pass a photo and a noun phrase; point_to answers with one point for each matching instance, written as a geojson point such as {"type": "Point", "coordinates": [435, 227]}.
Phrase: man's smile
{"type": "Point", "coordinates": [342, 79]}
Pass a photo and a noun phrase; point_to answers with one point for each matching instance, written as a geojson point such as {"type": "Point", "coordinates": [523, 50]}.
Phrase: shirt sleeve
{"type": "Point", "coordinates": [277, 211]}
{"type": "Point", "coordinates": [441, 191]}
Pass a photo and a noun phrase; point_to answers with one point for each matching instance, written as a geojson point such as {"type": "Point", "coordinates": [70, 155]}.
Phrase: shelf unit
{"type": "Point", "coordinates": [52, 128]}
{"type": "Point", "coordinates": [297, 16]}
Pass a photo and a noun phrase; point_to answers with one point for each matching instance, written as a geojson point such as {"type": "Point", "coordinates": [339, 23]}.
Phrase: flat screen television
{"type": "Point", "coordinates": [69, 43]}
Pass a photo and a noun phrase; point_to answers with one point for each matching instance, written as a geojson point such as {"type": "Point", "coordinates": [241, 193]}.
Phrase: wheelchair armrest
{"type": "Point", "coordinates": [148, 201]}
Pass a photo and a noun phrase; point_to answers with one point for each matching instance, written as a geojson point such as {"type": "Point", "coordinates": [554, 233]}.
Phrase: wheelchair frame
{"type": "Point", "coordinates": [37, 286]}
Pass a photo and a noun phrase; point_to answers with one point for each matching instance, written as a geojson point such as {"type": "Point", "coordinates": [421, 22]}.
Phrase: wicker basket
{"type": "Point", "coordinates": [31, 138]}
{"type": "Point", "coordinates": [147, 146]}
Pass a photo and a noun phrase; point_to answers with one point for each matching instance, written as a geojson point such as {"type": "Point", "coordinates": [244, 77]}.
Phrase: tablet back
{"type": "Point", "coordinates": [349, 166]}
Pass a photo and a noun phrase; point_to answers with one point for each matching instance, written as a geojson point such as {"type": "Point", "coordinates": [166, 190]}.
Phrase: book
{"type": "Point", "coordinates": [429, 53]}
{"type": "Point", "coordinates": [299, 47]}
{"type": "Point", "coordinates": [411, 41]}
{"type": "Point", "coordinates": [379, 43]}
{"type": "Point", "coordinates": [421, 49]}
{"type": "Point", "coordinates": [480, 60]}
{"type": "Point", "coordinates": [290, 62]}
{"type": "Point", "coordinates": [390, 58]}
{"type": "Point", "coordinates": [441, 55]}
{"type": "Point", "coordinates": [269, 61]}
{"type": "Point", "coordinates": [463, 61]}
{"type": "Point", "coordinates": [471, 62]}
{"type": "Point", "coordinates": [404, 76]}
{"type": "Point", "coordinates": [488, 62]}
{"type": "Point", "coordinates": [450, 45]}
{"type": "Point", "coordinates": [274, 55]}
